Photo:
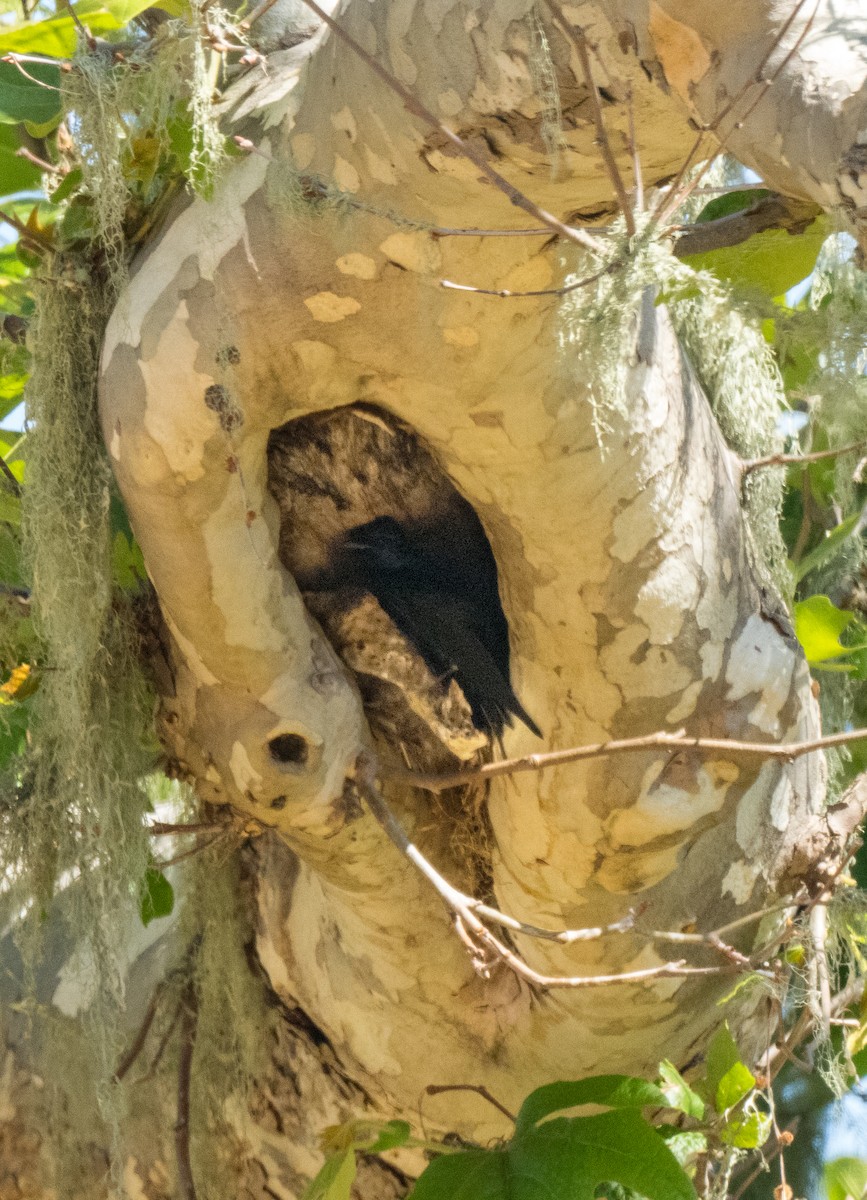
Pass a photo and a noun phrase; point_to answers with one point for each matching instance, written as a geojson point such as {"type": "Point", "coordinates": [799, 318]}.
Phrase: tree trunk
{"type": "Point", "coordinates": [315, 280]}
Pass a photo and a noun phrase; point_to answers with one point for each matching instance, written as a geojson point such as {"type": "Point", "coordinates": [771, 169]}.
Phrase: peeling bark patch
{"type": "Point", "coordinates": [219, 400]}
{"type": "Point", "coordinates": [345, 176]}
{"type": "Point", "coordinates": [330, 308]}
{"type": "Point", "coordinates": [740, 879]}
{"type": "Point", "coordinates": [414, 252]}
{"type": "Point", "coordinates": [461, 335]}
{"type": "Point", "coordinates": [681, 51]}
{"type": "Point", "coordinates": [359, 265]}
{"type": "Point", "coordinates": [246, 778]}
{"type": "Point", "coordinates": [761, 662]}
{"type": "Point", "coordinates": [178, 424]}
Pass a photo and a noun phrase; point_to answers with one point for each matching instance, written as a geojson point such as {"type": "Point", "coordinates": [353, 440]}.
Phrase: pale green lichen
{"type": "Point", "coordinates": [723, 342]}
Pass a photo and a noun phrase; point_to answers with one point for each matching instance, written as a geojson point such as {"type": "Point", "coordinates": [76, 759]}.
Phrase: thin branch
{"type": "Point", "coordinates": [784, 460]}
{"type": "Point", "coordinates": [506, 294]}
{"type": "Point", "coordinates": [144, 1029]}
{"type": "Point", "coordinates": [162, 828]}
{"type": "Point", "coordinates": [164, 863]}
{"type": "Point", "coordinates": [436, 1089]}
{"type": "Point", "coordinates": [655, 741]}
{"type": "Point", "coordinates": [637, 175]}
{"type": "Point", "coordinates": [819, 936]}
{"type": "Point", "coordinates": [258, 11]}
{"type": "Point", "coordinates": [189, 1022]}
{"type": "Point", "coordinates": [771, 212]}
{"type": "Point", "coordinates": [676, 193]}
{"type": "Point", "coordinates": [487, 950]}
{"type": "Point", "coordinates": [579, 41]}
{"type": "Point", "coordinates": [417, 109]}
{"type": "Point", "coordinates": [443, 231]}
{"type": "Point", "coordinates": [16, 60]}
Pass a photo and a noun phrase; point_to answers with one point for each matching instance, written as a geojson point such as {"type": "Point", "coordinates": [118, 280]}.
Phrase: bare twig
{"type": "Point", "coordinates": [258, 11]}
{"type": "Point", "coordinates": [784, 460]}
{"type": "Point", "coordinates": [771, 212]}
{"type": "Point", "coordinates": [819, 956]}
{"type": "Point", "coordinates": [506, 294]}
{"type": "Point", "coordinates": [189, 1021]}
{"type": "Point", "coordinates": [436, 1089]}
{"type": "Point", "coordinates": [487, 950]}
{"type": "Point", "coordinates": [677, 193]}
{"type": "Point", "coordinates": [579, 41]}
{"type": "Point", "coordinates": [637, 176]}
{"type": "Point", "coordinates": [199, 848]}
{"type": "Point", "coordinates": [655, 741]}
{"type": "Point", "coordinates": [161, 828]}
{"type": "Point", "coordinates": [16, 60]}
{"type": "Point", "coordinates": [415, 106]}
{"type": "Point", "coordinates": [144, 1029]}
{"type": "Point", "coordinates": [90, 40]}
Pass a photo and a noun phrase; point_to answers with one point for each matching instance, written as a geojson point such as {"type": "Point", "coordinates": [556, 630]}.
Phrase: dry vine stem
{"type": "Point", "coordinates": [487, 950]}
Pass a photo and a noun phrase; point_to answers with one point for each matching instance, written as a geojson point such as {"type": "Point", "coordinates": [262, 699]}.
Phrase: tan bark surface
{"type": "Point", "coordinates": [624, 569]}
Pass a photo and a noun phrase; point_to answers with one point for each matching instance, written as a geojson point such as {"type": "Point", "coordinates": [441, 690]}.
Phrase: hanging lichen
{"type": "Point", "coordinates": [75, 848]}
{"type": "Point", "coordinates": [734, 364]}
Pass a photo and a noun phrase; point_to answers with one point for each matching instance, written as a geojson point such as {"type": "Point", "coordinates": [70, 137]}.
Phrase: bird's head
{"type": "Point", "coordinates": [381, 542]}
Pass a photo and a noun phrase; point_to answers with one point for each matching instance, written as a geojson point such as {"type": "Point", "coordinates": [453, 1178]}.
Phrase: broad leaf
{"type": "Point", "coordinates": [828, 546]}
{"type": "Point", "coordinates": [565, 1157]}
{"type": "Point", "coordinates": [335, 1180]}
{"type": "Point", "coordinates": [846, 1179]}
{"type": "Point", "coordinates": [818, 625]}
{"type": "Point", "coordinates": [157, 896]}
{"type": "Point", "coordinates": [614, 1091]}
{"type": "Point", "coordinates": [17, 174]}
{"type": "Point", "coordinates": [747, 1132]}
{"type": "Point", "coordinates": [28, 93]}
{"type": "Point", "coordinates": [678, 1093]}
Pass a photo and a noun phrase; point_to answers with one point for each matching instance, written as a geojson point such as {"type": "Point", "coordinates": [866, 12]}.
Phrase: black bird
{"type": "Point", "coordinates": [444, 599]}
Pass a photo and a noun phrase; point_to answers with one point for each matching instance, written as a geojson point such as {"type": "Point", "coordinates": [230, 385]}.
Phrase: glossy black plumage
{"type": "Point", "coordinates": [443, 598]}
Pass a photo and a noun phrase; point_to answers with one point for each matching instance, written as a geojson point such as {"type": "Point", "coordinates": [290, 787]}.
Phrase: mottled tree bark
{"type": "Point", "coordinates": [624, 568]}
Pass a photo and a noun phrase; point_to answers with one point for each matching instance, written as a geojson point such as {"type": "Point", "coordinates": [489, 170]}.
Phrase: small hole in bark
{"type": "Point", "coordinates": [278, 803]}
{"type": "Point", "coordinates": [289, 748]}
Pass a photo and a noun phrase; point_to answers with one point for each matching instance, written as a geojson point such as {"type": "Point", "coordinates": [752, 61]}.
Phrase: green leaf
{"type": "Point", "coordinates": [31, 93]}
{"type": "Point", "coordinates": [57, 37]}
{"type": "Point", "coordinates": [726, 1080]}
{"type": "Point", "coordinates": [731, 202]}
{"type": "Point", "coordinates": [392, 1134]}
{"type": "Point", "coordinates": [18, 174]}
{"type": "Point", "coordinates": [846, 1179]}
{"type": "Point", "coordinates": [683, 1144]}
{"type": "Point", "coordinates": [565, 1157]}
{"type": "Point", "coordinates": [614, 1091]}
{"type": "Point", "coordinates": [67, 186]}
{"type": "Point", "coordinates": [157, 897]}
{"type": "Point", "coordinates": [127, 564]}
{"type": "Point", "coordinates": [14, 719]}
{"type": "Point", "coordinates": [773, 260]}
{"type": "Point", "coordinates": [747, 1132]}
{"type": "Point", "coordinates": [678, 1093]}
{"type": "Point", "coordinates": [335, 1180]}
{"type": "Point", "coordinates": [825, 549]}
{"type": "Point", "coordinates": [818, 625]}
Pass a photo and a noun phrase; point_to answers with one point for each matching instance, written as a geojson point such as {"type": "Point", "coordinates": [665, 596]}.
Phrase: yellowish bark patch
{"type": "Point", "coordinates": [330, 308]}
